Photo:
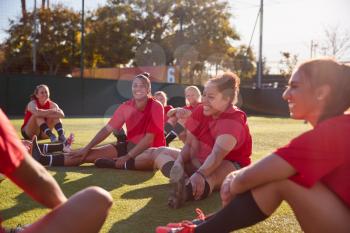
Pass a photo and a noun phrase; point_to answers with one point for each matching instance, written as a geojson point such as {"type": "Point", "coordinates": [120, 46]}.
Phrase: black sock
{"type": "Point", "coordinates": [178, 128]}
{"type": "Point", "coordinates": [130, 164]}
{"type": "Point", "coordinates": [170, 137]}
{"type": "Point", "coordinates": [189, 192]}
{"type": "Point", "coordinates": [241, 212]}
{"type": "Point", "coordinates": [49, 148]}
{"type": "Point", "coordinates": [45, 128]}
{"type": "Point", "coordinates": [206, 191]}
{"type": "Point", "coordinates": [166, 168]}
{"type": "Point", "coordinates": [57, 160]}
{"type": "Point", "coordinates": [59, 128]}
{"type": "Point", "coordinates": [44, 160]}
{"type": "Point", "coordinates": [167, 128]}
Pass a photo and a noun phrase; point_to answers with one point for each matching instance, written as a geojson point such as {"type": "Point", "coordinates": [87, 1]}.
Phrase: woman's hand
{"type": "Point", "coordinates": [198, 184]}
{"type": "Point", "coordinates": [120, 161]}
{"type": "Point", "coordinates": [225, 191]}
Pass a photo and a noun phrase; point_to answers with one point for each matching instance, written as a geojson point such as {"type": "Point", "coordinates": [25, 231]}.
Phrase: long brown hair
{"type": "Point", "coordinates": [327, 71]}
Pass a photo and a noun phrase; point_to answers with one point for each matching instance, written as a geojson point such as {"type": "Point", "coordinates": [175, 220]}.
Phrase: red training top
{"type": "Point", "coordinates": [138, 123]}
{"type": "Point", "coordinates": [206, 129]}
{"type": "Point", "coordinates": [11, 149]}
{"type": "Point", "coordinates": [322, 155]}
{"type": "Point", "coordinates": [28, 114]}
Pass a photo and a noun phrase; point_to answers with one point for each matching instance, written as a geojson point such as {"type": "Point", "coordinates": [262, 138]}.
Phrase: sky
{"type": "Point", "coordinates": [288, 25]}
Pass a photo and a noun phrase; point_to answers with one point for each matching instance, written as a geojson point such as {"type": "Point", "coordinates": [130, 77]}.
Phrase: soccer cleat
{"type": "Point", "coordinates": [177, 195]}
{"type": "Point", "coordinates": [199, 220]}
{"type": "Point", "coordinates": [105, 163]}
{"type": "Point", "coordinates": [68, 143]}
{"type": "Point", "coordinates": [184, 228]}
{"type": "Point", "coordinates": [36, 153]}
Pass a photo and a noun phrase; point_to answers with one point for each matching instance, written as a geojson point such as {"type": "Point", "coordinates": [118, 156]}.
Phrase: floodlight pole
{"type": "Point", "coordinates": [260, 65]}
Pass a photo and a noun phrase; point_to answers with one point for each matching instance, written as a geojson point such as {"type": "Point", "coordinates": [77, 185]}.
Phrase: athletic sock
{"type": "Point", "coordinates": [170, 137]}
{"type": "Point", "coordinates": [241, 212]}
{"type": "Point", "coordinates": [49, 148]}
{"type": "Point", "coordinates": [189, 192]}
{"type": "Point", "coordinates": [56, 160]}
{"type": "Point", "coordinates": [59, 129]}
{"type": "Point", "coordinates": [130, 164]}
{"type": "Point", "coordinates": [45, 128]}
{"type": "Point", "coordinates": [167, 128]}
{"type": "Point", "coordinates": [166, 168]}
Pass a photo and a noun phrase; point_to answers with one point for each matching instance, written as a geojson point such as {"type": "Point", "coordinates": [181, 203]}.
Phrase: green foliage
{"type": "Point", "coordinates": [194, 35]}
{"type": "Point", "coordinates": [57, 50]}
{"type": "Point", "coordinates": [140, 197]}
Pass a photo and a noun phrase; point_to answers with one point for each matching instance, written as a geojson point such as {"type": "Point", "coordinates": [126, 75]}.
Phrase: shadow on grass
{"type": "Point", "coordinates": [156, 212]}
{"type": "Point", "coordinates": [74, 179]}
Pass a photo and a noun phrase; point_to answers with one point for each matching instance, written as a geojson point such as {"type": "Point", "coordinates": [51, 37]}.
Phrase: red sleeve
{"type": "Point", "coordinates": [315, 153]}
{"type": "Point", "coordinates": [232, 124]}
{"type": "Point", "coordinates": [156, 125]}
{"type": "Point", "coordinates": [194, 121]}
{"type": "Point", "coordinates": [118, 119]}
{"type": "Point", "coordinates": [11, 149]}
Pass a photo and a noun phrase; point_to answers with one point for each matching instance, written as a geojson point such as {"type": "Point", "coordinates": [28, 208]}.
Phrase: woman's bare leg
{"type": "Point", "coordinates": [155, 158]}
{"type": "Point", "coordinates": [317, 209]}
{"type": "Point", "coordinates": [107, 151]}
{"type": "Point", "coordinates": [85, 212]}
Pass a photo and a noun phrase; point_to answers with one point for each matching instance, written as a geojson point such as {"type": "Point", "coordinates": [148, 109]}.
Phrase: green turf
{"type": "Point", "coordinates": [140, 197]}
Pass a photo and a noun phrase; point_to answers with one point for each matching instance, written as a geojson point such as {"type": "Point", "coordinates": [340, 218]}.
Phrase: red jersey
{"type": "Point", "coordinates": [322, 155]}
{"type": "Point", "coordinates": [166, 110]}
{"type": "Point", "coordinates": [28, 114]}
{"type": "Point", "coordinates": [138, 123]}
{"type": "Point", "coordinates": [11, 149]}
{"type": "Point", "coordinates": [206, 129]}
{"type": "Point", "coordinates": [190, 107]}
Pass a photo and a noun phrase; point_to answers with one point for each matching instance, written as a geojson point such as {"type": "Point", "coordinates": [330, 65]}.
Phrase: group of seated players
{"type": "Point", "coordinates": [217, 146]}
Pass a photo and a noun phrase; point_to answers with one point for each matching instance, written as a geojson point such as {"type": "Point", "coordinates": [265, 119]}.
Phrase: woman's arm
{"type": "Point", "coordinates": [269, 169]}
{"type": "Point", "coordinates": [54, 112]}
{"type": "Point", "coordinates": [223, 145]}
{"type": "Point", "coordinates": [38, 183]}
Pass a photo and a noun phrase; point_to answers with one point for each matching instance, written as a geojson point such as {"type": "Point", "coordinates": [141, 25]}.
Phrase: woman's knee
{"type": "Point", "coordinates": [99, 196]}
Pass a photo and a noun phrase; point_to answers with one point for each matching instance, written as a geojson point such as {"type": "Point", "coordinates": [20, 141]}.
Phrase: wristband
{"type": "Point", "coordinates": [201, 174]}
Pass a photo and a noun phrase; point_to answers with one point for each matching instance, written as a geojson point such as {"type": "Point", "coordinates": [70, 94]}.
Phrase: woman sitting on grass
{"type": "Point", "coordinates": [143, 117]}
{"type": "Point", "coordinates": [311, 173]}
{"type": "Point", "coordinates": [41, 116]}
{"type": "Point", "coordinates": [174, 127]}
{"type": "Point", "coordinates": [218, 143]}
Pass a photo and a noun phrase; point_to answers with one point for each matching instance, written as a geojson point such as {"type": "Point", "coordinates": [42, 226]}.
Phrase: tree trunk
{"type": "Point", "coordinates": [24, 11]}
{"type": "Point", "coordinates": [42, 4]}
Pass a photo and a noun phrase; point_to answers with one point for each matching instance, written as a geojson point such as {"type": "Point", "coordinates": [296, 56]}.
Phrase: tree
{"type": "Point", "coordinates": [110, 36]}
{"type": "Point", "coordinates": [24, 10]}
{"type": "Point", "coordinates": [336, 42]}
{"type": "Point", "coordinates": [56, 42]}
{"type": "Point", "coordinates": [288, 63]}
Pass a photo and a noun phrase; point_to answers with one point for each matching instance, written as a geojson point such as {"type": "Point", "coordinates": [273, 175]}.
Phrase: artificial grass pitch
{"type": "Point", "coordinates": [140, 198]}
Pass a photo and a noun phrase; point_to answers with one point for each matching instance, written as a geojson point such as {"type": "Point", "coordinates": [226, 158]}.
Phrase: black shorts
{"type": "Point", "coordinates": [123, 147]}
{"type": "Point", "coordinates": [235, 164]}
